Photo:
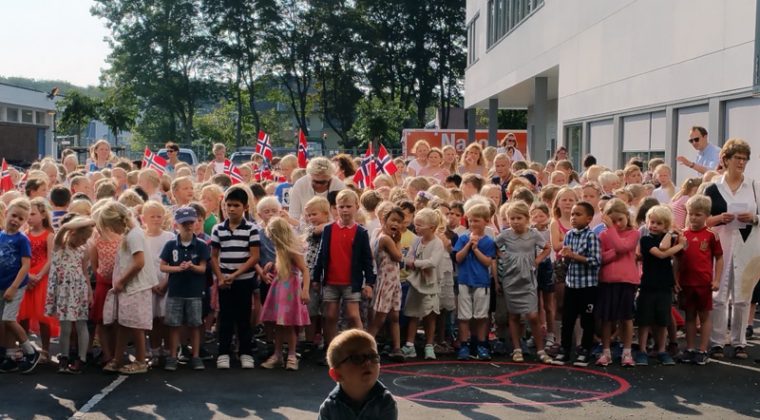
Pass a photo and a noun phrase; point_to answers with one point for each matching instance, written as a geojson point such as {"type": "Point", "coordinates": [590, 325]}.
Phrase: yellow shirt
{"type": "Point", "coordinates": [407, 239]}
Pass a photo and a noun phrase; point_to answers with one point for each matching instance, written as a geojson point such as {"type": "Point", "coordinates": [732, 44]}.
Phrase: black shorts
{"type": "Point", "coordinates": [544, 276]}
{"type": "Point", "coordinates": [653, 308]}
{"type": "Point", "coordinates": [756, 294]}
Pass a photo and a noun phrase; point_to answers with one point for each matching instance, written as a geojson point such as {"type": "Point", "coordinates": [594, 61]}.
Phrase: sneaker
{"type": "Point", "coordinates": [641, 358]}
{"type": "Point", "coordinates": [223, 361]}
{"type": "Point", "coordinates": [29, 362]}
{"type": "Point", "coordinates": [272, 362]}
{"type": "Point", "coordinates": [170, 364]}
{"type": "Point", "coordinates": [464, 352]}
{"type": "Point", "coordinates": [204, 354]}
{"type": "Point", "coordinates": [429, 352]}
{"type": "Point", "coordinates": [665, 359]}
{"type": "Point", "coordinates": [581, 358]}
{"type": "Point", "coordinates": [291, 363]}
{"type": "Point", "coordinates": [196, 363]}
{"type": "Point", "coordinates": [627, 360]}
{"type": "Point", "coordinates": [409, 352]}
{"type": "Point", "coordinates": [76, 366]}
{"type": "Point", "coordinates": [561, 358]}
{"type": "Point", "coordinates": [549, 340]}
{"type": "Point", "coordinates": [209, 337]}
{"type": "Point", "coordinates": [701, 358]}
{"type": "Point", "coordinates": [716, 352]}
{"type": "Point", "coordinates": [750, 332]}
{"type": "Point", "coordinates": [484, 353]}
{"type": "Point", "coordinates": [63, 364]}
{"type": "Point", "coordinates": [184, 355]}
{"type": "Point", "coordinates": [543, 357]}
{"type": "Point", "coordinates": [687, 356]}
{"type": "Point", "coordinates": [246, 361]}
{"type": "Point", "coordinates": [530, 343]}
{"type": "Point", "coordinates": [517, 356]}
{"type": "Point", "coordinates": [740, 353]}
{"type": "Point", "coordinates": [396, 356]}
{"type": "Point", "coordinates": [604, 360]}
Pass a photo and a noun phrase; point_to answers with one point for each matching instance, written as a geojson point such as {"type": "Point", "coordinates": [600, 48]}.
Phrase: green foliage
{"type": "Point", "coordinates": [381, 121]}
{"type": "Point", "coordinates": [76, 111]}
{"type": "Point", "coordinates": [514, 119]}
{"type": "Point", "coordinates": [118, 110]}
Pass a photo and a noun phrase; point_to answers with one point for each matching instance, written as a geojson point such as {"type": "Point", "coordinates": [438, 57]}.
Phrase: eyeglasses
{"type": "Point", "coordinates": [360, 359]}
{"type": "Point", "coordinates": [694, 140]}
{"type": "Point", "coordinates": [740, 158]}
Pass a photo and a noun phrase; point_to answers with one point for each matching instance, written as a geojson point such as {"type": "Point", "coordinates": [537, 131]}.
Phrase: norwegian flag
{"type": "Point", "coordinates": [385, 162]}
{"type": "Point", "coordinates": [154, 161]}
{"type": "Point", "coordinates": [263, 145]}
{"type": "Point", "coordinates": [263, 172]}
{"type": "Point", "coordinates": [22, 183]}
{"type": "Point", "coordinates": [235, 175]}
{"type": "Point", "coordinates": [303, 150]}
{"type": "Point", "coordinates": [365, 176]}
{"type": "Point", "coordinates": [6, 183]}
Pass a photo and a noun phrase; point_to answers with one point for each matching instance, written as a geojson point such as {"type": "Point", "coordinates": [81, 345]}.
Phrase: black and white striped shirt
{"type": "Point", "coordinates": [235, 246]}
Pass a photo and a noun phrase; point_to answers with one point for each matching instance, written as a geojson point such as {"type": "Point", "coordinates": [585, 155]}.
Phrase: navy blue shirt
{"type": "Point", "coordinates": [186, 284]}
{"type": "Point", "coordinates": [12, 249]}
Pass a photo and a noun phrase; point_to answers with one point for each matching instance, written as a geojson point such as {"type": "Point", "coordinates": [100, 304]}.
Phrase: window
{"type": "Point", "coordinates": [602, 142]}
{"type": "Point", "coordinates": [505, 15]}
{"type": "Point", "coordinates": [41, 118]}
{"type": "Point", "coordinates": [27, 116]}
{"type": "Point", "coordinates": [12, 114]}
{"type": "Point", "coordinates": [472, 40]}
{"type": "Point", "coordinates": [573, 142]}
{"type": "Point", "coordinates": [644, 136]}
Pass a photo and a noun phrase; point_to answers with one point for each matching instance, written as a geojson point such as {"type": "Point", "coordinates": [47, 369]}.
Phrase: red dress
{"type": "Point", "coordinates": [33, 304]}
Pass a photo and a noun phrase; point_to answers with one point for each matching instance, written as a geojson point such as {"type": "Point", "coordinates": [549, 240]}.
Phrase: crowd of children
{"type": "Point", "coordinates": [106, 255]}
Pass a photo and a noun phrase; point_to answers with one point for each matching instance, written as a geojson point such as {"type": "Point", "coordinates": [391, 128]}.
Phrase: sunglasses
{"type": "Point", "coordinates": [694, 140]}
{"type": "Point", "coordinates": [171, 151]}
{"type": "Point", "coordinates": [360, 359]}
{"type": "Point", "coordinates": [314, 181]}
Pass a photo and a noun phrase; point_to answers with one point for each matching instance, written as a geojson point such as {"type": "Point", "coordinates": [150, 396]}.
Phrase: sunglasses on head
{"type": "Point", "coordinates": [693, 140]}
{"type": "Point", "coordinates": [360, 359]}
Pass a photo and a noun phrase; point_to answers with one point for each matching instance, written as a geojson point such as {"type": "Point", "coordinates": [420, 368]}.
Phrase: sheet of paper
{"type": "Point", "coordinates": [736, 209]}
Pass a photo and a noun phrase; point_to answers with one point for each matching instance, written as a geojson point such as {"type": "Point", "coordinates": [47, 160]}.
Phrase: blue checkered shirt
{"type": "Point", "coordinates": [583, 242]}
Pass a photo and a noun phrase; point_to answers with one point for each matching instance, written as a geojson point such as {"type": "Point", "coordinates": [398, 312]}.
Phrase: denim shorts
{"type": "Point", "coordinates": [183, 311]}
{"type": "Point", "coordinates": [332, 293]}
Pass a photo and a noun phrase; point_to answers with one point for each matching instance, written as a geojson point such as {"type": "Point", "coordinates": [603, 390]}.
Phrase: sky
{"type": "Point", "coordinates": [52, 39]}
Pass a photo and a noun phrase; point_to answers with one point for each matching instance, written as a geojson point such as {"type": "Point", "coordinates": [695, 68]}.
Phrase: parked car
{"type": "Point", "coordinates": [185, 155]}
{"type": "Point", "coordinates": [242, 155]}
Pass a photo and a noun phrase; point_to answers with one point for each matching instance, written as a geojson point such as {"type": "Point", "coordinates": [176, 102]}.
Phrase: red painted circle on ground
{"type": "Point", "coordinates": [618, 385]}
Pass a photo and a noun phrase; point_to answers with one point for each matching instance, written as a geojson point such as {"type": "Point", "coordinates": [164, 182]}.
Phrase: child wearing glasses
{"type": "Point", "coordinates": [355, 366]}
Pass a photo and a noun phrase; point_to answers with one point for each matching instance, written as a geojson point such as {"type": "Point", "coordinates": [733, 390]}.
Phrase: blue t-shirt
{"type": "Point", "coordinates": [709, 157]}
{"type": "Point", "coordinates": [282, 192]}
{"type": "Point", "coordinates": [267, 253]}
{"type": "Point", "coordinates": [12, 249]}
{"type": "Point", "coordinates": [186, 284]}
{"type": "Point", "coordinates": [470, 271]}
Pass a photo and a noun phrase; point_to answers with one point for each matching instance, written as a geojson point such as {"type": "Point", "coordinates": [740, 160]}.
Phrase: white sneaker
{"type": "Point", "coordinates": [246, 361]}
{"type": "Point", "coordinates": [429, 352]}
{"type": "Point", "coordinates": [223, 361]}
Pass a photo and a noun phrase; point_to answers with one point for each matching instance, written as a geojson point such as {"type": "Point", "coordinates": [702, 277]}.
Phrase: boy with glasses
{"type": "Point", "coordinates": [355, 366]}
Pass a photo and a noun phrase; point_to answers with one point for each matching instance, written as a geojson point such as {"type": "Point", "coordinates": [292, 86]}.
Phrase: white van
{"type": "Point", "coordinates": [185, 155]}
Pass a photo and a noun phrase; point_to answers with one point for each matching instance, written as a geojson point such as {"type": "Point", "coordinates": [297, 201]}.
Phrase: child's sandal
{"type": "Point", "coordinates": [112, 366]}
{"type": "Point", "coordinates": [517, 356]}
{"type": "Point", "coordinates": [134, 368]}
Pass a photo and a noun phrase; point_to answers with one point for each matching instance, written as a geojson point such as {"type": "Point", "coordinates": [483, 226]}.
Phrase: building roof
{"type": "Point", "coordinates": [24, 97]}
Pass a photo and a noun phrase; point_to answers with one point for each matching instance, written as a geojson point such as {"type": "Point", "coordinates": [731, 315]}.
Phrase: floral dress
{"type": "Point", "coordinates": [68, 294]}
{"type": "Point", "coordinates": [388, 293]}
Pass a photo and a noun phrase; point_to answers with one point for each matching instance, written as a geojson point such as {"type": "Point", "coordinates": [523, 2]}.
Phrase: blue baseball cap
{"type": "Point", "coordinates": [185, 215]}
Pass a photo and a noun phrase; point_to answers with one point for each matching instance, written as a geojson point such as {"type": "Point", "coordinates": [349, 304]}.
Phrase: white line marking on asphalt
{"type": "Point", "coordinates": [173, 387]}
{"type": "Point", "coordinates": [754, 369]}
{"type": "Point", "coordinates": [98, 397]}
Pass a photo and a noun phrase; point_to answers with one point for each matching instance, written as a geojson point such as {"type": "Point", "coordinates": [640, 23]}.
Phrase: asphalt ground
{"type": "Point", "coordinates": [445, 389]}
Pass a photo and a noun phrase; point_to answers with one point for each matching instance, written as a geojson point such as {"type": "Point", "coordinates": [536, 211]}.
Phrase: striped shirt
{"type": "Point", "coordinates": [583, 242]}
{"type": "Point", "coordinates": [235, 246]}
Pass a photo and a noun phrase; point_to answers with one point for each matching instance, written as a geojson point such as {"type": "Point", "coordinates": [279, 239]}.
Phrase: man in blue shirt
{"type": "Point", "coordinates": [708, 154]}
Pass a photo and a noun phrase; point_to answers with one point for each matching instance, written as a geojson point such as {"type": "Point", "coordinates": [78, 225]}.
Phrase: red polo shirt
{"type": "Point", "coordinates": [341, 253]}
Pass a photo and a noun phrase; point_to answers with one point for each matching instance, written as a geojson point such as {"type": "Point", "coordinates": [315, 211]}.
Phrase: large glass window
{"type": "Point", "coordinates": [472, 40]}
{"type": "Point", "coordinates": [505, 15]}
{"type": "Point", "coordinates": [574, 142]}
{"type": "Point", "coordinates": [644, 136]}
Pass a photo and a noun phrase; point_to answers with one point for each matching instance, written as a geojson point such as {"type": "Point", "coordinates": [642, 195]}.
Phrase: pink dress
{"type": "Point", "coordinates": [283, 305]}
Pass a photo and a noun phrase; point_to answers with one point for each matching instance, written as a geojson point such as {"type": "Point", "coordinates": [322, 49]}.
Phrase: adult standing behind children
{"type": "Point", "coordinates": [735, 219]}
{"type": "Point", "coordinates": [708, 154]}
{"type": "Point", "coordinates": [319, 180]}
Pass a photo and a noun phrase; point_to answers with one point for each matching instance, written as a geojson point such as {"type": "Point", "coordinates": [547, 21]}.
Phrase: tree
{"type": "Point", "coordinates": [159, 48]}
{"type": "Point", "coordinates": [118, 111]}
{"type": "Point", "coordinates": [76, 110]}
{"type": "Point", "coordinates": [378, 120]}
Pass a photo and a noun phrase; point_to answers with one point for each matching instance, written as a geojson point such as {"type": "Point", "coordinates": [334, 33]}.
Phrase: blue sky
{"type": "Point", "coordinates": [52, 39]}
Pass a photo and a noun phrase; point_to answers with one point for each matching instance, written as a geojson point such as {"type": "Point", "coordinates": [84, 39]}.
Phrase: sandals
{"type": "Point", "coordinates": [272, 362]}
{"type": "Point", "coordinates": [112, 366]}
{"type": "Point", "coordinates": [292, 363]}
{"type": "Point", "coordinates": [517, 356]}
{"type": "Point", "coordinates": [134, 368]}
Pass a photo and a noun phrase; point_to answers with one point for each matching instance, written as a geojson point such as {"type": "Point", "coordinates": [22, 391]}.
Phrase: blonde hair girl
{"type": "Point", "coordinates": [101, 156]}
{"type": "Point", "coordinates": [284, 305]}
{"type": "Point", "coordinates": [472, 161]}
{"type": "Point", "coordinates": [68, 292]}
{"type": "Point", "coordinates": [133, 279]}
{"type": "Point", "coordinates": [450, 158]}
{"type": "Point", "coordinates": [558, 228]}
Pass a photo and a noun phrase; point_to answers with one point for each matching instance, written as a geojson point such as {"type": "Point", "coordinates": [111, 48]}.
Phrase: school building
{"type": "Point", "coordinates": [26, 124]}
{"type": "Point", "coordinates": [619, 78]}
